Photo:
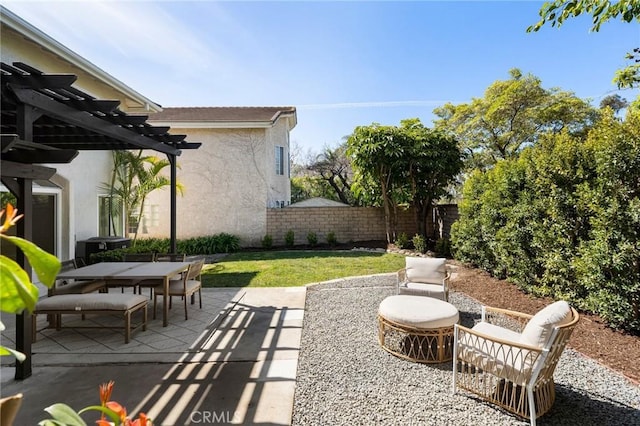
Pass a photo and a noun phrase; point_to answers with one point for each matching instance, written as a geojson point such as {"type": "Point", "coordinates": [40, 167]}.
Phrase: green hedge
{"type": "Point", "coordinates": [219, 243]}
{"type": "Point", "coordinates": [563, 220]}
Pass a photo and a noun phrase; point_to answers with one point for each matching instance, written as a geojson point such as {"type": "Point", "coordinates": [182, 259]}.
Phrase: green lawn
{"type": "Point", "coordinates": [295, 268]}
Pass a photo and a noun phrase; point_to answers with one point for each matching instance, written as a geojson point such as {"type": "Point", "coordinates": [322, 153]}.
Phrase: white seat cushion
{"type": "Point", "coordinates": [502, 360]}
{"type": "Point", "coordinates": [422, 289]}
{"type": "Point", "coordinates": [418, 312]}
{"type": "Point", "coordinates": [425, 269]}
{"type": "Point", "coordinates": [539, 328]}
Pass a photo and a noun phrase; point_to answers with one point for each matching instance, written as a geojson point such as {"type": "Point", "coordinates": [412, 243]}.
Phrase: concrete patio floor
{"type": "Point", "coordinates": [234, 361]}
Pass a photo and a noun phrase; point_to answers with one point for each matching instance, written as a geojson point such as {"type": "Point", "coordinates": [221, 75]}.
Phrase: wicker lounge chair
{"type": "Point", "coordinates": [424, 276]}
{"type": "Point", "coordinates": [509, 357]}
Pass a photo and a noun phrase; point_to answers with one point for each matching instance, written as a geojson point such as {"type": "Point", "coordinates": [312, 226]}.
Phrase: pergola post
{"type": "Point", "coordinates": [173, 202]}
{"type": "Point", "coordinates": [25, 116]}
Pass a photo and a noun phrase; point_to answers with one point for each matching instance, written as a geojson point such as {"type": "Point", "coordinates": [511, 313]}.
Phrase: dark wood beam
{"type": "Point", "coordinates": [103, 106]}
{"type": "Point", "coordinates": [25, 171]}
{"type": "Point", "coordinates": [53, 156]}
{"type": "Point", "coordinates": [86, 121]}
{"type": "Point", "coordinates": [38, 82]}
{"type": "Point", "coordinates": [8, 141]}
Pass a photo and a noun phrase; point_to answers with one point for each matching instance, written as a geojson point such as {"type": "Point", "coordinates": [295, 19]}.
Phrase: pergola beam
{"type": "Point", "coordinates": [87, 121]}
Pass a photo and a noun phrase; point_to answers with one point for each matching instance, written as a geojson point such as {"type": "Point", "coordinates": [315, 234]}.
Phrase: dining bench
{"type": "Point", "coordinates": [94, 303]}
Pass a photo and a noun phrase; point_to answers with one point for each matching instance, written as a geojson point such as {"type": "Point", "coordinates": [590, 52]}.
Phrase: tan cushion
{"type": "Point", "coordinates": [79, 287]}
{"type": "Point", "coordinates": [425, 269]}
{"type": "Point", "coordinates": [90, 302]}
{"type": "Point", "coordinates": [501, 360]}
{"type": "Point", "coordinates": [539, 328]}
{"type": "Point", "coordinates": [418, 312]}
{"type": "Point", "coordinates": [422, 289]}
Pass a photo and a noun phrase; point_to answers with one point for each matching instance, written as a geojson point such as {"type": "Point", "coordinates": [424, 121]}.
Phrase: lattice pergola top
{"type": "Point", "coordinates": [69, 120]}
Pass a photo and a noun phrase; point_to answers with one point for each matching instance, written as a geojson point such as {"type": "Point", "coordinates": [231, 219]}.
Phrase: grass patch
{"type": "Point", "coordinates": [296, 268]}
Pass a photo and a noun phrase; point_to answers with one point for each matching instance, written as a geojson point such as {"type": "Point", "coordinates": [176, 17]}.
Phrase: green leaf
{"type": "Point", "coordinates": [65, 414]}
{"type": "Point", "coordinates": [112, 414]}
{"type": "Point", "coordinates": [45, 265]}
{"type": "Point", "coordinates": [17, 292]}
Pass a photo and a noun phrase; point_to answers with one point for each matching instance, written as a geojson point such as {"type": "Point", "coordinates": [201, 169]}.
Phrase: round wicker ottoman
{"type": "Point", "coordinates": [417, 328]}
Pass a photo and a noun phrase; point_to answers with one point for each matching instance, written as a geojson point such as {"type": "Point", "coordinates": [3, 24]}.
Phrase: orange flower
{"type": "Point", "coordinates": [118, 409]}
{"type": "Point", "coordinates": [105, 392]}
{"type": "Point", "coordinates": [142, 420]}
{"type": "Point", "coordinates": [11, 219]}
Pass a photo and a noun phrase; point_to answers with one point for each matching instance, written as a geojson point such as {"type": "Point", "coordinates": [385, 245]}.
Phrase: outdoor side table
{"type": "Point", "coordinates": [417, 328]}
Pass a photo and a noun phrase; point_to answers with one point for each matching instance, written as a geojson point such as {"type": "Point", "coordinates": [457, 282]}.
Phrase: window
{"type": "Point", "coordinates": [110, 224]}
{"type": "Point", "coordinates": [279, 160]}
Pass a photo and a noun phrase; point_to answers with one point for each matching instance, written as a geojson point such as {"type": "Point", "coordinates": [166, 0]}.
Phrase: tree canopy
{"type": "Point", "coordinates": [512, 114]}
{"type": "Point", "coordinates": [558, 11]}
{"type": "Point", "coordinates": [409, 164]}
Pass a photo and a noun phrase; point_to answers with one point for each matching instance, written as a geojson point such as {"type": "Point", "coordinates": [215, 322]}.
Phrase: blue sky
{"type": "Point", "coordinates": [341, 64]}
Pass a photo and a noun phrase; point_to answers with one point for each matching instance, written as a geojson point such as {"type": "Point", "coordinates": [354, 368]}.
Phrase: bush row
{"type": "Point", "coordinates": [219, 243]}
{"type": "Point", "coordinates": [289, 239]}
{"type": "Point", "coordinates": [563, 220]}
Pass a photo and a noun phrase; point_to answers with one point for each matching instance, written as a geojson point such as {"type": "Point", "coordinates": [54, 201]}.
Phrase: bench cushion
{"type": "Point", "coordinates": [91, 302]}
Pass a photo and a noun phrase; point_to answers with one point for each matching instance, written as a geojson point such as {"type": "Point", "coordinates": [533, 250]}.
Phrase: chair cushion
{"type": "Point", "coordinates": [539, 328]}
{"type": "Point", "coordinates": [422, 289]}
{"type": "Point", "coordinates": [90, 302]}
{"type": "Point", "coordinates": [425, 269]}
{"type": "Point", "coordinates": [176, 288]}
{"type": "Point", "coordinates": [500, 359]}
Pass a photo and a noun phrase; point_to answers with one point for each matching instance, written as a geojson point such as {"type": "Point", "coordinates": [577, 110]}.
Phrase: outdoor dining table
{"type": "Point", "coordinates": [131, 271]}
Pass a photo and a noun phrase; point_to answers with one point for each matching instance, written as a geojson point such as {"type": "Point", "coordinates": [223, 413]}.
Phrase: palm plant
{"type": "Point", "coordinates": [133, 178]}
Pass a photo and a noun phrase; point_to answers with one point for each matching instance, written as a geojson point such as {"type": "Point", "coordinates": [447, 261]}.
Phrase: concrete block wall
{"type": "Point", "coordinates": [350, 224]}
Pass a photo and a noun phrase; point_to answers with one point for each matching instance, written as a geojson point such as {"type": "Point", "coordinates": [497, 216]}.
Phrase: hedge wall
{"type": "Point", "coordinates": [563, 220]}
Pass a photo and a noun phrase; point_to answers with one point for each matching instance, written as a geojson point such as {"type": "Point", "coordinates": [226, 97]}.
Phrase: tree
{"type": "Point", "coordinates": [433, 161]}
{"type": "Point", "coordinates": [133, 178]}
{"type": "Point", "coordinates": [615, 102]}
{"type": "Point", "coordinates": [558, 11]}
{"type": "Point", "coordinates": [378, 155]}
{"type": "Point", "coordinates": [512, 114]}
{"type": "Point", "coordinates": [334, 167]}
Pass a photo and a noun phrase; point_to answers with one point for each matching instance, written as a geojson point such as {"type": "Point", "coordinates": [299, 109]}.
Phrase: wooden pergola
{"type": "Point", "coordinates": [45, 120]}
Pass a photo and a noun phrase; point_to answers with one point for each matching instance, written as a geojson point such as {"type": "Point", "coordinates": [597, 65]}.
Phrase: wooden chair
{"type": "Point", "coordinates": [424, 276]}
{"type": "Point", "coordinates": [70, 286]}
{"type": "Point", "coordinates": [162, 257]}
{"type": "Point", "coordinates": [188, 286]}
{"type": "Point", "coordinates": [508, 358]}
{"type": "Point", "coordinates": [131, 257]}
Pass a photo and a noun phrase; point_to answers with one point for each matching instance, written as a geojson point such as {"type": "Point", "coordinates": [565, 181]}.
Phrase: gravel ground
{"type": "Point", "coordinates": [345, 378]}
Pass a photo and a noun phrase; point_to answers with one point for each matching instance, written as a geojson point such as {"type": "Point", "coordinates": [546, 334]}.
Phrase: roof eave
{"type": "Point", "coordinates": [27, 30]}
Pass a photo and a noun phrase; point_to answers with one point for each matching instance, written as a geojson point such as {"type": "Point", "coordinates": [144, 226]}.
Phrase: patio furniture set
{"type": "Point", "coordinates": [85, 290]}
{"type": "Point", "coordinates": [507, 358]}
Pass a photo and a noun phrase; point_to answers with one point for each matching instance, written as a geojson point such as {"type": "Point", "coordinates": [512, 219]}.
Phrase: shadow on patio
{"type": "Point", "coordinates": [240, 369]}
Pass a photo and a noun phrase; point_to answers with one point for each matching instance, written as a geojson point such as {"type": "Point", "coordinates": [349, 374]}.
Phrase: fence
{"type": "Point", "coordinates": [352, 223]}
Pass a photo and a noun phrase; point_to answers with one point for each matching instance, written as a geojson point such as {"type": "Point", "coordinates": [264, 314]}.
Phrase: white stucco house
{"type": "Point", "coordinates": [240, 170]}
{"type": "Point", "coordinates": [68, 208]}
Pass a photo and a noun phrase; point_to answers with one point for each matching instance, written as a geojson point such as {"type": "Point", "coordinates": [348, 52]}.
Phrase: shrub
{"type": "Point", "coordinates": [331, 239]}
{"type": "Point", "coordinates": [562, 220]}
{"type": "Point", "coordinates": [443, 247]}
{"type": "Point", "coordinates": [267, 241]}
{"type": "Point", "coordinates": [312, 238]}
{"type": "Point", "coordinates": [289, 238]}
{"type": "Point", "coordinates": [402, 241]}
{"type": "Point", "coordinates": [419, 243]}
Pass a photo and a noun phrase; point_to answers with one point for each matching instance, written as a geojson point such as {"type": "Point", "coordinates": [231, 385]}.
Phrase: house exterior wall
{"type": "Point", "coordinates": [80, 183]}
{"type": "Point", "coordinates": [225, 184]}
